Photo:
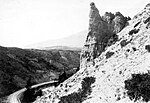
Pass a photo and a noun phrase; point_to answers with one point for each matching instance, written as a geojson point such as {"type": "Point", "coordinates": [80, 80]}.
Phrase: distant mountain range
{"type": "Point", "coordinates": [62, 48]}
{"type": "Point", "coordinates": [75, 40]}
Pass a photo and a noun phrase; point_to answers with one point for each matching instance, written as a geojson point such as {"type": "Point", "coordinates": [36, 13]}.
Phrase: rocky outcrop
{"type": "Point", "coordinates": [119, 21]}
{"type": "Point", "coordinates": [121, 74]}
{"type": "Point", "coordinates": [102, 32]}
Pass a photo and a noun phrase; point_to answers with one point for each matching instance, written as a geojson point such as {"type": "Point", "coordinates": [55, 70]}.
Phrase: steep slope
{"type": "Point", "coordinates": [17, 65]}
{"type": "Point", "coordinates": [119, 75]}
{"type": "Point", "coordinates": [76, 40]}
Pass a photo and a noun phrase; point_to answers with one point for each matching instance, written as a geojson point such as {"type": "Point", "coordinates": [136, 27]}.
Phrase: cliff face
{"type": "Point", "coordinates": [121, 74]}
{"type": "Point", "coordinates": [101, 33]}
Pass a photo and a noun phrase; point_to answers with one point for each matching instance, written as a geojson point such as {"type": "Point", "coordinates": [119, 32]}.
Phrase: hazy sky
{"type": "Point", "coordinates": [24, 22]}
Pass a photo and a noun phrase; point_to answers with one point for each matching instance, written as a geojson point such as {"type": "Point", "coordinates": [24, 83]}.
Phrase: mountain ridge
{"type": "Point", "coordinates": [75, 40]}
{"type": "Point", "coordinates": [62, 48]}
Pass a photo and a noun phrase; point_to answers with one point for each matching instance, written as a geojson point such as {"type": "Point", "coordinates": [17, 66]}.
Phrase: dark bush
{"type": "Point", "coordinates": [62, 77]}
{"type": "Point", "coordinates": [147, 47]}
{"type": "Point", "coordinates": [86, 86]}
{"type": "Point", "coordinates": [147, 20]}
{"type": "Point", "coordinates": [88, 59]}
{"type": "Point", "coordinates": [109, 54]}
{"type": "Point", "coordinates": [137, 24]}
{"type": "Point", "coordinates": [138, 87]}
{"type": "Point", "coordinates": [134, 48]}
{"type": "Point", "coordinates": [147, 5]}
{"type": "Point", "coordinates": [29, 83]}
{"type": "Point", "coordinates": [148, 25]}
{"type": "Point", "coordinates": [128, 50]}
{"type": "Point", "coordinates": [128, 18]}
{"type": "Point", "coordinates": [78, 68]}
{"type": "Point", "coordinates": [30, 95]}
{"type": "Point", "coordinates": [134, 31]}
{"type": "Point", "coordinates": [81, 95]}
{"type": "Point", "coordinates": [123, 43]}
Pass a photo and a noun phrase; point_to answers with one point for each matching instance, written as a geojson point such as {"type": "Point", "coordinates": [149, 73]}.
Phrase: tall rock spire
{"type": "Point", "coordinates": [100, 32]}
{"type": "Point", "coordinates": [94, 17]}
{"type": "Point", "coordinates": [97, 36]}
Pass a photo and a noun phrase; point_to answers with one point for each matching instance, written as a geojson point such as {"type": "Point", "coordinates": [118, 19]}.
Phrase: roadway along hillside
{"type": "Point", "coordinates": [15, 97]}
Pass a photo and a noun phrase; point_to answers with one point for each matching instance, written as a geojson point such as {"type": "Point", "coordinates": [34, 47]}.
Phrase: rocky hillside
{"type": "Point", "coordinates": [18, 65]}
{"type": "Point", "coordinates": [118, 73]}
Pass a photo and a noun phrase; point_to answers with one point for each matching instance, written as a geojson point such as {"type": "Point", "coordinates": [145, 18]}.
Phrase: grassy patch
{"type": "Point", "coordinates": [79, 97]}
{"type": "Point", "coordinates": [138, 87]}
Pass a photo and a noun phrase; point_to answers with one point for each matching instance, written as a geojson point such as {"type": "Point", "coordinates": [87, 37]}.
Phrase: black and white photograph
{"type": "Point", "coordinates": [74, 51]}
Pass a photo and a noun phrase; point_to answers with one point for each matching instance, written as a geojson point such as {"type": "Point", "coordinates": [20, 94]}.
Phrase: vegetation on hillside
{"type": "Point", "coordinates": [138, 87]}
{"type": "Point", "coordinates": [82, 94]}
{"type": "Point", "coordinates": [18, 65]}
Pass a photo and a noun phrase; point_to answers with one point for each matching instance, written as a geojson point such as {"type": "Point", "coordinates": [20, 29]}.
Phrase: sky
{"type": "Point", "coordinates": [25, 22]}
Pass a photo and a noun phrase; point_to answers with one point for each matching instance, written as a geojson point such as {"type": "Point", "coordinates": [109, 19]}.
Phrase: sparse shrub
{"type": "Point", "coordinates": [86, 86]}
{"type": "Point", "coordinates": [109, 54]}
{"type": "Point", "coordinates": [147, 5]}
{"type": "Point", "coordinates": [128, 18]}
{"type": "Point", "coordinates": [134, 48]}
{"type": "Point", "coordinates": [138, 87]}
{"type": "Point", "coordinates": [147, 20]}
{"type": "Point", "coordinates": [88, 59]}
{"type": "Point", "coordinates": [137, 24]}
{"type": "Point", "coordinates": [148, 26]}
{"type": "Point", "coordinates": [123, 43]}
{"type": "Point", "coordinates": [147, 47]}
{"type": "Point", "coordinates": [134, 31]}
{"type": "Point", "coordinates": [128, 50]}
{"type": "Point", "coordinates": [81, 95]}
